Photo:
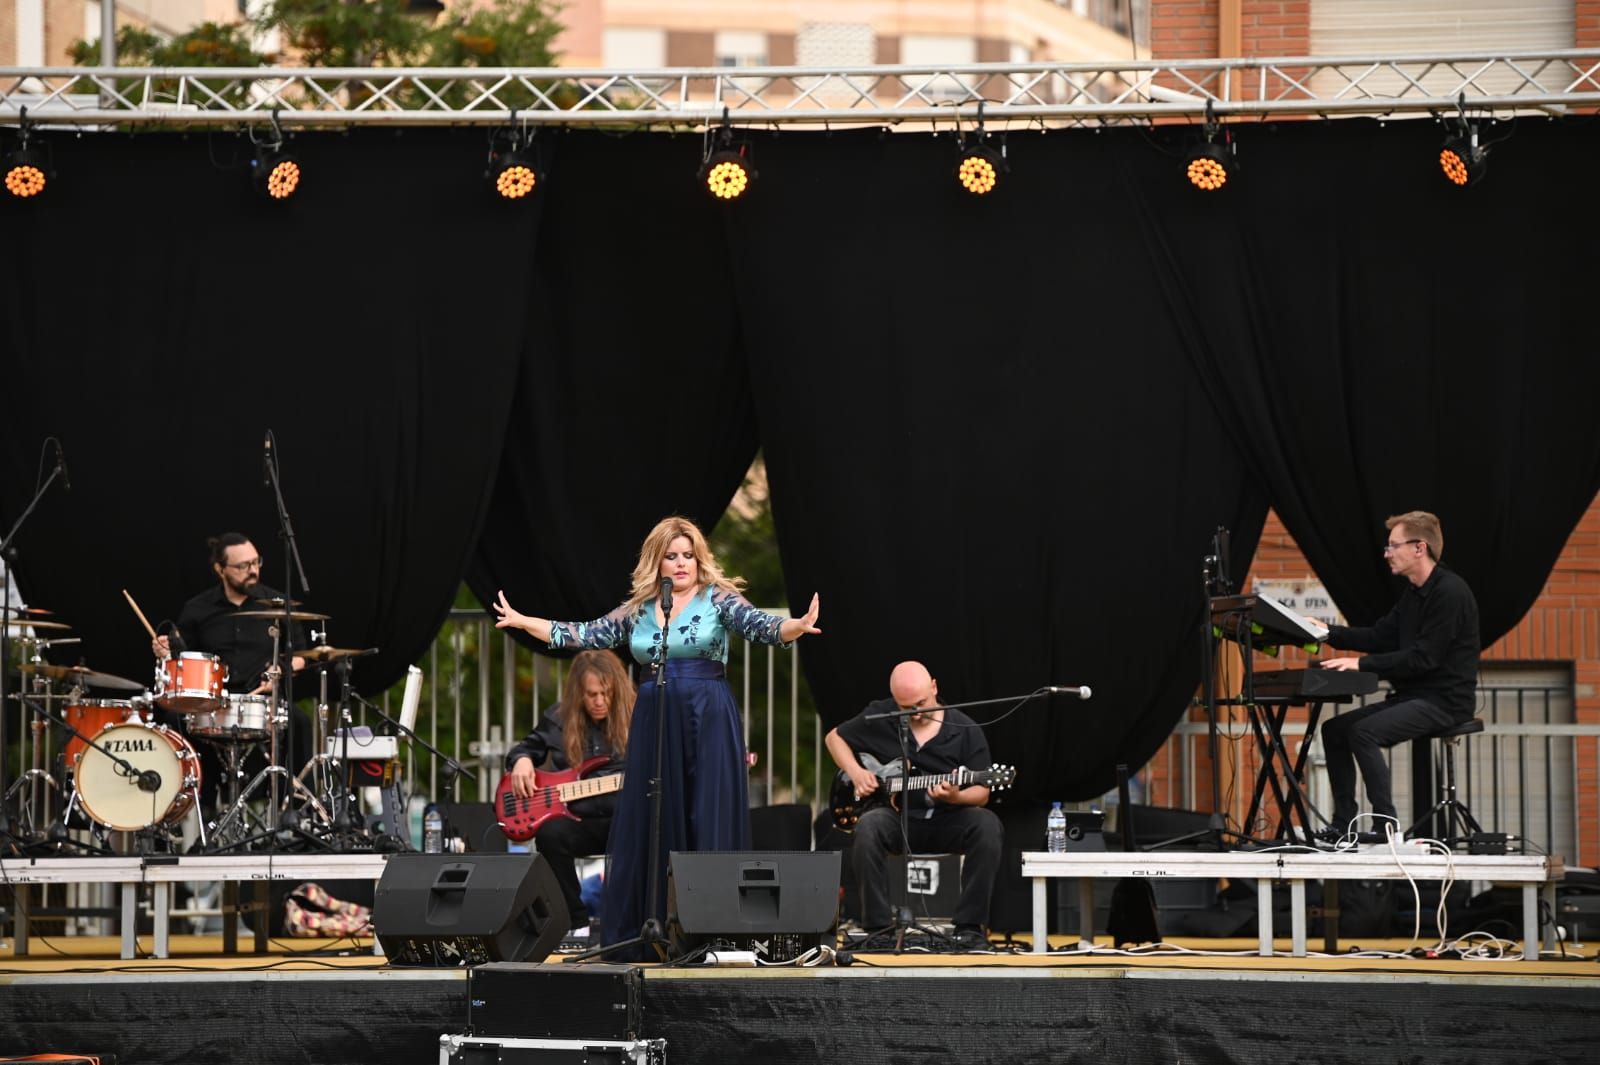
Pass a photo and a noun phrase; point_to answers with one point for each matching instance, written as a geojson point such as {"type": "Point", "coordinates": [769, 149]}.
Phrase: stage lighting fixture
{"type": "Point", "coordinates": [273, 171]}
{"type": "Point", "coordinates": [726, 169]}
{"type": "Point", "coordinates": [1462, 159]}
{"type": "Point", "coordinates": [979, 170]}
{"type": "Point", "coordinates": [276, 174]}
{"type": "Point", "coordinates": [24, 172]}
{"type": "Point", "coordinates": [514, 172]}
{"type": "Point", "coordinates": [1210, 164]}
{"type": "Point", "coordinates": [727, 174]}
{"type": "Point", "coordinates": [978, 166]}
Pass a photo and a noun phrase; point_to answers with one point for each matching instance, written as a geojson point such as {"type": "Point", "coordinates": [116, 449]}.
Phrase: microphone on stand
{"type": "Point", "coordinates": [1082, 691]}
{"type": "Point", "coordinates": [175, 642]}
{"type": "Point", "coordinates": [266, 459]}
{"type": "Point", "coordinates": [150, 781]}
{"type": "Point", "coordinates": [666, 599]}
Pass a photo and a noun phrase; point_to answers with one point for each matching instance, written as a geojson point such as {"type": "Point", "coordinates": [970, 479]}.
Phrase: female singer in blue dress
{"type": "Point", "coordinates": [704, 803]}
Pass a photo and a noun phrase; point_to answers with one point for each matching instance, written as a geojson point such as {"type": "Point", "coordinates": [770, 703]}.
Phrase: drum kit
{"type": "Point", "coordinates": [123, 766]}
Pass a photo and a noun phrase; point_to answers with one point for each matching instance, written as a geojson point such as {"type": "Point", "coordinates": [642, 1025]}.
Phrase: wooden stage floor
{"type": "Point", "coordinates": [190, 953]}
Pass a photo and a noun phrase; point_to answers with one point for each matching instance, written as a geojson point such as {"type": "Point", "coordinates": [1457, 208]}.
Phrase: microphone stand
{"type": "Point", "coordinates": [452, 768]}
{"type": "Point", "coordinates": [9, 554]}
{"type": "Point", "coordinates": [902, 919]}
{"type": "Point", "coordinates": [652, 931]}
{"type": "Point", "coordinates": [285, 664]}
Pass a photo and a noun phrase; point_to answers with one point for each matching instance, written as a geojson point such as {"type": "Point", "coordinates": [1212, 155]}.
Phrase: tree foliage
{"type": "Point", "coordinates": [352, 33]}
{"type": "Point", "coordinates": [209, 44]}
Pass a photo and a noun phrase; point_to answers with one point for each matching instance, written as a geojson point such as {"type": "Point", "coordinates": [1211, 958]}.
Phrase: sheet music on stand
{"type": "Point", "coordinates": [1271, 624]}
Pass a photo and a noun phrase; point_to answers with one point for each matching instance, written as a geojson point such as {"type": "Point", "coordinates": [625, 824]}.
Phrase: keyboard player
{"type": "Point", "coordinates": [1426, 647]}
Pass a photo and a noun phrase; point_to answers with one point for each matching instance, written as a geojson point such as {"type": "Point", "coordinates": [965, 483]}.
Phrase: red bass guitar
{"type": "Point", "coordinates": [520, 817]}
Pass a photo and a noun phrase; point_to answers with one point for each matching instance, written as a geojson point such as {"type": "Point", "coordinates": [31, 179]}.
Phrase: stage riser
{"type": "Point", "coordinates": [1095, 1018]}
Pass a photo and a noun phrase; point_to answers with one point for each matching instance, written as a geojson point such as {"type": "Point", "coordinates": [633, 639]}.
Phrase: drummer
{"type": "Point", "coordinates": [208, 623]}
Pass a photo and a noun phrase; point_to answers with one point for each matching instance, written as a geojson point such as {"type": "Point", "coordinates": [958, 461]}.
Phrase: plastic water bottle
{"type": "Point", "coordinates": [433, 831]}
{"type": "Point", "coordinates": [1055, 830]}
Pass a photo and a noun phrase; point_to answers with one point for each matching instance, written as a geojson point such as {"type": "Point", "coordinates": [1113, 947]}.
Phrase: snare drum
{"type": "Point", "coordinates": [112, 799]}
{"type": "Point", "coordinates": [243, 718]}
{"type": "Point", "coordinates": [191, 683]}
{"type": "Point", "coordinates": [89, 716]}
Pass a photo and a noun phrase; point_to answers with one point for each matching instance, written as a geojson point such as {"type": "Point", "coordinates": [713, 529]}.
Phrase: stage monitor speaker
{"type": "Point", "coordinates": [455, 909]}
{"type": "Point", "coordinates": [776, 904]}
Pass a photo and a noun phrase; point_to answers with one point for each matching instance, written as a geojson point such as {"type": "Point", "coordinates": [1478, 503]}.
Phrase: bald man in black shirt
{"type": "Point", "coordinates": [944, 818]}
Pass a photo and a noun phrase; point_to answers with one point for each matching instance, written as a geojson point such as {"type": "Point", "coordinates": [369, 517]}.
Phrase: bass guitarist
{"type": "Point", "coordinates": [943, 818]}
{"type": "Point", "coordinates": [591, 720]}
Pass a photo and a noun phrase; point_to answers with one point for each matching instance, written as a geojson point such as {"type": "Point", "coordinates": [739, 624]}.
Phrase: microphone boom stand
{"type": "Point", "coordinates": [284, 673]}
{"type": "Point", "coordinates": [652, 932]}
{"type": "Point", "coordinates": [902, 919]}
{"type": "Point", "coordinates": [8, 553]}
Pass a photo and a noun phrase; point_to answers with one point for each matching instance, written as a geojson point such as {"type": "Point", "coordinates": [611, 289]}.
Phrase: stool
{"type": "Point", "coordinates": [1454, 810]}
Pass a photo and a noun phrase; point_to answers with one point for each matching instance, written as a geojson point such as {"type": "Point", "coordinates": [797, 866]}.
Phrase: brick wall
{"type": "Point", "coordinates": [1586, 24]}
{"type": "Point", "coordinates": [1191, 29]}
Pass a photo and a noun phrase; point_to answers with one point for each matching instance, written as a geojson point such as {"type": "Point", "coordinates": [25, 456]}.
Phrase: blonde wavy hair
{"type": "Point", "coordinates": [619, 696]}
{"type": "Point", "coordinates": [647, 574]}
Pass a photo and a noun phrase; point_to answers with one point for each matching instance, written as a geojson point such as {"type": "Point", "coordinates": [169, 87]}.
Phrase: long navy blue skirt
{"type": "Point", "coordinates": [704, 791]}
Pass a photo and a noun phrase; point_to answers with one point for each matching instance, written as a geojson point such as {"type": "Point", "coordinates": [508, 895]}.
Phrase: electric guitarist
{"type": "Point", "coordinates": [591, 721]}
{"type": "Point", "coordinates": [944, 818]}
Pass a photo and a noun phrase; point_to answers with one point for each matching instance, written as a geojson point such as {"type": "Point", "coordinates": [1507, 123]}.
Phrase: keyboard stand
{"type": "Point", "coordinates": [1284, 775]}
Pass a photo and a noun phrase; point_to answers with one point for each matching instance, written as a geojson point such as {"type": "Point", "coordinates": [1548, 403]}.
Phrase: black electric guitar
{"type": "Point", "coordinates": [892, 782]}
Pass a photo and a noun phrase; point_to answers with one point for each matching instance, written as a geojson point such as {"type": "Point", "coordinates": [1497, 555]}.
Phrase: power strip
{"type": "Point", "coordinates": [745, 958]}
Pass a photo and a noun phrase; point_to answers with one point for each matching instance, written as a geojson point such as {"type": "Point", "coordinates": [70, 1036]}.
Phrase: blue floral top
{"type": "Point", "coordinates": [699, 631]}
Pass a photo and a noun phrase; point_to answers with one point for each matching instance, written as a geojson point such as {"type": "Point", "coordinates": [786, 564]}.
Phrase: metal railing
{"type": "Point", "coordinates": [482, 692]}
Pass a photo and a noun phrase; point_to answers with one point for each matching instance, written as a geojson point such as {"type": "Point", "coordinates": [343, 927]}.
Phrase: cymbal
{"type": "Point", "coordinates": [294, 615]}
{"type": "Point", "coordinates": [81, 675]}
{"type": "Point", "coordinates": [13, 624]}
{"type": "Point", "coordinates": [328, 654]}
{"type": "Point", "coordinates": [26, 611]}
{"type": "Point", "coordinates": [278, 603]}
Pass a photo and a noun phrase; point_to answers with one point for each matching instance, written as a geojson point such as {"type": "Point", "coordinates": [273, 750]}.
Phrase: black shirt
{"type": "Point", "coordinates": [547, 741]}
{"type": "Point", "coordinates": [958, 743]}
{"type": "Point", "coordinates": [1426, 646]}
{"type": "Point", "coordinates": [209, 623]}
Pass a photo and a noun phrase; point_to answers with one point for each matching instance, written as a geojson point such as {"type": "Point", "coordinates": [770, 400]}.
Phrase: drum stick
{"type": "Point", "coordinates": [136, 610]}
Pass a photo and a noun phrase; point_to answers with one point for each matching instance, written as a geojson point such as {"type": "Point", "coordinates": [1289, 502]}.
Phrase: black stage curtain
{"type": "Point", "coordinates": [1379, 341]}
{"type": "Point", "coordinates": [633, 403]}
{"type": "Point", "coordinates": [984, 451]}
{"type": "Point", "coordinates": [999, 432]}
{"type": "Point", "coordinates": [159, 318]}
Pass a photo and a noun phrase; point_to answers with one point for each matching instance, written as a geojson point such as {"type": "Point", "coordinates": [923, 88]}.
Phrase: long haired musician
{"type": "Point", "coordinates": [591, 721]}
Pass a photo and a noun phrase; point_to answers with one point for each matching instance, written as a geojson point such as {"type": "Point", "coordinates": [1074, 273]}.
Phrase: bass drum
{"type": "Point", "coordinates": [109, 796]}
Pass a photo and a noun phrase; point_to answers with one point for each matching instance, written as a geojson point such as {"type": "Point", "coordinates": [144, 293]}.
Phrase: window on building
{"type": "Point", "coordinates": [634, 48]}
{"type": "Point", "coordinates": [940, 50]}
{"type": "Point", "coordinates": [741, 48]}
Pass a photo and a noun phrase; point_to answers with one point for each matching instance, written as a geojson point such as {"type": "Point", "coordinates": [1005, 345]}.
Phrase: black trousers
{"type": "Point", "coordinates": [1360, 736]}
{"type": "Point", "coordinates": [562, 842]}
{"type": "Point", "coordinates": [972, 831]}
